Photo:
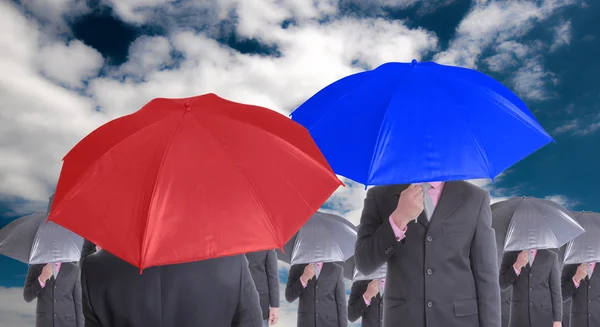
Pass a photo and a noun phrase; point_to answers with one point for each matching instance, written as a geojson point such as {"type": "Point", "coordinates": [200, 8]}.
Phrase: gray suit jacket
{"type": "Point", "coordinates": [59, 302]}
{"type": "Point", "coordinates": [585, 300]}
{"type": "Point", "coordinates": [323, 301]}
{"type": "Point", "coordinates": [536, 296]}
{"type": "Point", "coordinates": [263, 267]}
{"type": "Point", "coordinates": [209, 293]}
{"type": "Point", "coordinates": [443, 273]}
{"type": "Point", "coordinates": [372, 316]}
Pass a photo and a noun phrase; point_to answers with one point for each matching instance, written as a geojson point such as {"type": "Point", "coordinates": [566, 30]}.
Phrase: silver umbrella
{"type": "Point", "coordinates": [32, 240]}
{"type": "Point", "coordinates": [535, 224]}
{"type": "Point", "coordinates": [351, 273]}
{"type": "Point", "coordinates": [324, 238]}
{"type": "Point", "coordinates": [586, 247]}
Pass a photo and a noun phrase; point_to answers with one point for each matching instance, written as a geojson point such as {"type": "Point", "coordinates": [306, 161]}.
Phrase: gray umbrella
{"type": "Point", "coordinates": [32, 240]}
{"type": "Point", "coordinates": [586, 247]}
{"type": "Point", "coordinates": [351, 273]}
{"type": "Point", "coordinates": [533, 224]}
{"type": "Point", "coordinates": [324, 238]}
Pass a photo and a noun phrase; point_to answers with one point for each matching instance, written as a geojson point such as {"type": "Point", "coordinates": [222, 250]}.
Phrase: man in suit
{"type": "Point", "coordinates": [209, 293]}
{"type": "Point", "coordinates": [366, 302]}
{"type": "Point", "coordinates": [536, 296]}
{"type": "Point", "coordinates": [58, 297]}
{"type": "Point", "coordinates": [263, 267]}
{"type": "Point", "coordinates": [321, 293]}
{"type": "Point", "coordinates": [582, 286]}
{"type": "Point", "coordinates": [442, 269]}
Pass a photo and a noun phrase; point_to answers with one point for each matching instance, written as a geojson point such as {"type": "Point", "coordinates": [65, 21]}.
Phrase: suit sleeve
{"type": "Point", "coordinates": [77, 300]}
{"type": "Point", "coordinates": [248, 312]}
{"type": "Point", "coordinates": [340, 299]}
{"type": "Point", "coordinates": [508, 276]}
{"type": "Point", "coordinates": [376, 241]}
{"type": "Point", "coordinates": [484, 262]}
{"type": "Point", "coordinates": [91, 320]}
{"type": "Point", "coordinates": [32, 286]}
{"type": "Point", "coordinates": [555, 291]}
{"type": "Point", "coordinates": [273, 279]}
{"type": "Point", "coordinates": [567, 286]}
{"type": "Point", "coordinates": [356, 303]}
{"type": "Point", "coordinates": [294, 288]}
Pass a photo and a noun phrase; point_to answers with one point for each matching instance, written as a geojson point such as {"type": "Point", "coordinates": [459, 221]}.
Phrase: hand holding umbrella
{"type": "Point", "coordinates": [309, 273]}
{"type": "Point", "coordinates": [47, 272]}
{"type": "Point", "coordinates": [522, 260]}
{"type": "Point", "coordinates": [582, 271]}
{"type": "Point", "coordinates": [410, 206]}
{"type": "Point", "coordinates": [372, 289]}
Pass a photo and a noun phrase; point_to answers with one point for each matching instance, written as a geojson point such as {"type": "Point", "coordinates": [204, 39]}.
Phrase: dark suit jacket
{"type": "Point", "coordinates": [59, 302]}
{"type": "Point", "coordinates": [443, 273]}
{"type": "Point", "coordinates": [505, 298]}
{"type": "Point", "coordinates": [585, 300]}
{"type": "Point", "coordinates": [323, 301]}
{"type": "Point", "coordinates": [87, 249]}
{"type": "Point", "coordinates": [263, 267]}
{"type": "Point", "coordinates": [372, 316]}
{"type": "Point", "coordinates": [536, 296]}
{"type": "Point", "coordinates": [210, 293]}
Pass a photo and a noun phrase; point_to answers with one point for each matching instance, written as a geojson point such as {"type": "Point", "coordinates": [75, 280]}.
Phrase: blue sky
{"type": "Point", "coordinates": [69, 66]}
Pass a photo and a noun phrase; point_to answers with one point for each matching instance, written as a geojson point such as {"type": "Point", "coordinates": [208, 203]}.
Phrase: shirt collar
{"type": "Point", "coordinates": [433, 184]}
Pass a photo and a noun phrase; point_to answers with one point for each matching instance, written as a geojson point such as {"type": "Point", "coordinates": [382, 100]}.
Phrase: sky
{"type": "Point", "coordinates": [69, 66]}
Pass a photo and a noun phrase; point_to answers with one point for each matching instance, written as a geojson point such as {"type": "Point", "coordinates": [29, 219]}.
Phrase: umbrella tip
{"type": "Point", "coordinates": [414, 62]}
{"type": "Point", "coordinates": [186, 106]}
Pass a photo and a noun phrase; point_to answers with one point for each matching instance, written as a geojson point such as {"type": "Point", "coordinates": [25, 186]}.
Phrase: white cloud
{"type": "Point", "coordinates": [562, 35]}
{"type": "Point", "coordinates": [563, 201]}
{"type": "Point", "coordinates": [69, 64]}
{"type": "Point", "coordinates": [579, 127]}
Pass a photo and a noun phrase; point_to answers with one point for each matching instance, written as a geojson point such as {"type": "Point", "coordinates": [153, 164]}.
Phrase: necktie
{"type": "Point", "coordinates": [54, 272]}
{"type": "Point", "coordinates": [317, 270]}
{"type": "Point", "coordinates": [589, 270]}
{"type": "Point", "coordinates": [530, 257]}
{"type": "Point", "coordinates": [428, 206]}
{"type": "Point", "coordinates": [381, 286]}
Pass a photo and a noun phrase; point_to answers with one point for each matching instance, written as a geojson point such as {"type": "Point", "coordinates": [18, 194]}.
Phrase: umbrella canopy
{"type": "Point", "coordinates": [182, 180]}
{"type": "Point", "coordinates": [420, 122]}
{"type": "Point", "coordinates": [32, 241]}
{"type": "Point", "coordinates": [324, 238]}
{"type": "Point", "coordinates": [585, 247]}
{"type": "Point", "coordinates": [533, 224]}
{"type": "Point", "coordinates": [351, 273]}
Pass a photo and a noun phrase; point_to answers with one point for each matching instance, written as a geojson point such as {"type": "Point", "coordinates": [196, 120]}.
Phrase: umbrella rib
{"type": "Point", "coordinates": [162, 162]}
{"type": "Point", "coordinates": [79, 183]}
{"type": "Point", "coordinates": [246, 178]}
{"type": "Point", "coordinates": [302, 153]}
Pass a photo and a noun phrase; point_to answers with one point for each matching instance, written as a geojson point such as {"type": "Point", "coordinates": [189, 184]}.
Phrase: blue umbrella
{"type": "Point", "coordinates": [420, 122]}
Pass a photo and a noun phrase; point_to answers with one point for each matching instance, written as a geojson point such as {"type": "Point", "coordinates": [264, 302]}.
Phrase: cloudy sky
{"type": "Point", "coordinates": [68, 66]}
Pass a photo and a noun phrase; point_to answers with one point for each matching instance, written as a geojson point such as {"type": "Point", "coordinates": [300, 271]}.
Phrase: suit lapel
{"type": "Point", "coordinates": [325, 272]}
{"type": "Point", "coordinates": [66, 268]}
{"type": "Point", "coordinates": [450, 199]}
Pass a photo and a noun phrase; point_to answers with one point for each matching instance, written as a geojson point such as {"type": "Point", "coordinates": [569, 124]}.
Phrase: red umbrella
{"type": "Point", "coordinates": [190, 179]}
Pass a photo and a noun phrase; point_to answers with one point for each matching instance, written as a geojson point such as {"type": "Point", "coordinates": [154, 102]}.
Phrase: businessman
{"type": "Point", "coordinates": [263, 267]}
{"type": "Point", "coordinates": [443, 268]}
{"type": "Point", "coordinates": [57, 288]}
{"type": "Point", "coordinates": [581, 285]}
{"type": "Point", "coordinates": [366, 302]}
{"type": "Point", "coordinates": [209, 293]}
{"type": "Point", "coordinates": [319, 287]}
{"type": "Point", "coordinates": [534, 276]}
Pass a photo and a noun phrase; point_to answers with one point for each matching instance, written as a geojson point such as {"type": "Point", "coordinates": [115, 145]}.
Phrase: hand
{"type": "Point", "coordinates": [309, 272]}
{"type": "Point", "coordinates": [372, 289]}
{"type": "Point", "coordinates": [522, 260]}
{"type": "Point", "coordinates": [410, 206]}
{"type": "Point", "coordinates": [46, 272]}
{"type": "Point", "coordinates": [581, 272]}
{"type": "Point", "coordinates": [557, 324]}
{"type": "Point", "coordinates": [273, 316]}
